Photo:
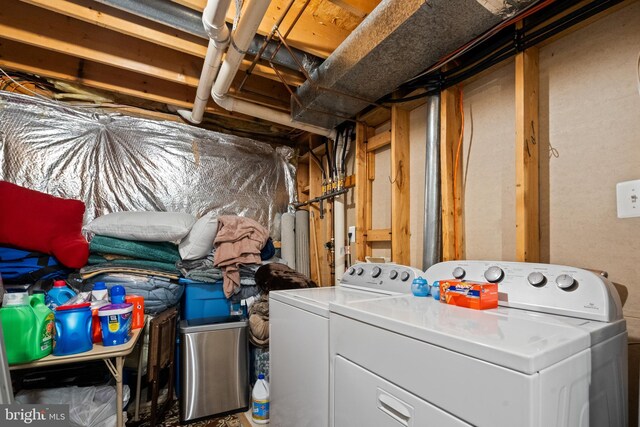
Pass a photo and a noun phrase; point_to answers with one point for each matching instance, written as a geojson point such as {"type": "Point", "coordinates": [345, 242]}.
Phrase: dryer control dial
{"type": "Point", "coordinates": [494, 274]}
{"type": "Point", "coordinates": [404, 276]}
{"type": "Point", "coordinates": [351, 271]}
{"type": "Point", "coordinates": [375, 272]}
{"type": "Point", "coordinates": [359, 271]}
{"type": "Point", "coordinates": [393, 275]}
{"type": "Point", "coordinates": [536, 279]}
{"type": "Point", "coordinates": [564, 281]}
{"type": "Point", "coordinates": [458, 272]}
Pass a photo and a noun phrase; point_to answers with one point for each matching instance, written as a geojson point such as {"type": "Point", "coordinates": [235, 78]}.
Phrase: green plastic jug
{"type": "Point", "coordinates": [18, 324]}
{"type": "Point", "coordinates": [43, 342]}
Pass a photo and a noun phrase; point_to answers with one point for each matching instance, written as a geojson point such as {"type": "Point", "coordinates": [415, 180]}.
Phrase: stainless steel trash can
{"type": "Point", "coordinates": [213, 367]}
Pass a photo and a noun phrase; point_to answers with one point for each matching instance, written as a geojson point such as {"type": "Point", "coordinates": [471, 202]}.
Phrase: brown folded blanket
{"type": "Point", "coordinates": [276, 277]}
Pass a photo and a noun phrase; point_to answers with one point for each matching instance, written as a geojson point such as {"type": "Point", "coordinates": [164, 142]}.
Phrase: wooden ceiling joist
{"type": "Point", "coordinates": [313, 33]}
{"type": "Point", "coordinates": [112, 19]}
{"type": "Point", "coordinates": [48, 64]}
{"type": "Point", "coordinates": [35, 26]}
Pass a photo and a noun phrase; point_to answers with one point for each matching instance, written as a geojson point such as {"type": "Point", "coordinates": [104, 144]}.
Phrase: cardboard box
{"type": "Point", "coordinates": [465, 293]}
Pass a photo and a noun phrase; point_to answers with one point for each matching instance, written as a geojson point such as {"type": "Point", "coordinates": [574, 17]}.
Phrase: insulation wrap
{"type": "Point", "coordinates": [114, 162]}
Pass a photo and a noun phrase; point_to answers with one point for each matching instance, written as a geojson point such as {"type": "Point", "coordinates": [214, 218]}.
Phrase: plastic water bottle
{"type": "Point", "coordinates": [260, 401]}
{"type": "Point", "coordinates": [99, 292]}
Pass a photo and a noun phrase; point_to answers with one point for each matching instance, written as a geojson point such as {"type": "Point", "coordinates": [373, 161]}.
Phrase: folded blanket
{"type": "Point", "coordinates": [276, 276]}
{"type": "Point", "coordinates": [153, 251]}
{"type": "Point", "coordinates": [259, 322]}
{"type": "Point", "coordinates": [137, 263]}
{"type": "Point", "coordinates": [159, 293]}
{"type": "Point", "coordinates": [93, 270]}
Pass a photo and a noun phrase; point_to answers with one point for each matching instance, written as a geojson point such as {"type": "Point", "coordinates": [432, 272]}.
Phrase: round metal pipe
{"type": "Point", "coordinates": [432, 231]}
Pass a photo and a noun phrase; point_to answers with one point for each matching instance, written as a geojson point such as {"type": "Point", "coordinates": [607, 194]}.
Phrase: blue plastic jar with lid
{"type": "Point", "coordinates": [435, 290]}
{"type": "Point", "coordinates": [420, 287]}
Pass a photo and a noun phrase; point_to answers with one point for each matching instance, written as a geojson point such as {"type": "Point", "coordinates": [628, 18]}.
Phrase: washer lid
{"type": "Point", "coordinates": [524, 341]}
{"type": "Point", "coordinates": [316, 300]}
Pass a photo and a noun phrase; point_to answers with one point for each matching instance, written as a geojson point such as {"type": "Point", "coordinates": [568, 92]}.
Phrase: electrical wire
{"type": "Point", "coordinates": [38, 95]}
{"type": "Point", "coordinates": [318, 162]}
{"type": "Point", "coordinates": [456, 248]}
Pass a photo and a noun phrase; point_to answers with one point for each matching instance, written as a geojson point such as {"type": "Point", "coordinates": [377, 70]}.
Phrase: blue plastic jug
{"type": "Point", "coordinates": [59, 294]}
{"type": "Point", "coordinates": [73, 329]}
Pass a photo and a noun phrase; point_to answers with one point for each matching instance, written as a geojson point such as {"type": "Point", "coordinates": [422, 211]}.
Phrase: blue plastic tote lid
{"type": "Point", "coordinates": [72, 306]}
{"type": "Point", "coordinates": [99, 286]}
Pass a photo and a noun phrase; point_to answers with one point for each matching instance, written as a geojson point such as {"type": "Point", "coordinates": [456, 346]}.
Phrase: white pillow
{"type": "Point", "coordinates": [199, 241]}
{"type": "Point", "coordinates": [143, 226]}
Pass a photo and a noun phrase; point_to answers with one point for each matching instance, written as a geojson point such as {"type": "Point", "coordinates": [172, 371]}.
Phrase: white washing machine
{"type": "Point", "coordinates": [299, 339]}
{"type": "Point", "coordinates": [553, 354]}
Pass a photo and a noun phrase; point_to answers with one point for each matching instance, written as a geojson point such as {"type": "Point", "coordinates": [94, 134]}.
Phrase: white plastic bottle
{"type": "Point", "coordinates": [260, 401]}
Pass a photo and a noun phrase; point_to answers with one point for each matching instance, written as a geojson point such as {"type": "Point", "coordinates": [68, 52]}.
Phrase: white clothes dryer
{"type": "Point", "coordinates": [553, 354]}
{"type": "Point", "coordinates": [299, 339]}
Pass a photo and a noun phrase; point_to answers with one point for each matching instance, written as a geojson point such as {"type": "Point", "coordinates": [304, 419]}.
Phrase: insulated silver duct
{"type": "Point", "coordinates": [432, 236]}
{"type": "Point", "coordinates": [302, 243]}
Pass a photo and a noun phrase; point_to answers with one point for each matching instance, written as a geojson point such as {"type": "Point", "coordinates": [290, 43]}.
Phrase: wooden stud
{"type": "Point", "coordinates": [379, 141]}
{"type": "Point", "coordinates": [379, 235]}
{"type": "Point", "coordinates": [361, 197]}
{"type": "Point", "coordinates": [321, 275]}
{"type": "Point", "coordinates": [527, 144]}
{"type": "Point", "coordinates": [376, 116]}
{"type": "Point", "coordinates": [450, 128]}
{"type": "Point", "coordinates": [400, 196]}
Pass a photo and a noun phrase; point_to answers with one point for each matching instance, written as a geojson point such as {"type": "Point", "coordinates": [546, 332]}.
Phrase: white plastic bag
{"type": "Point", "coordinates": [88, 406]}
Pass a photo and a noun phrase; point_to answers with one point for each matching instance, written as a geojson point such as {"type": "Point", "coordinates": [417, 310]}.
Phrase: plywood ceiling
{"type": "Point", "coordinates": [91, 44]}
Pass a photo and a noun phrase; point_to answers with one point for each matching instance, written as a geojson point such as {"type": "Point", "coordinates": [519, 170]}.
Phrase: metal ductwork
{"type": "Point", "coordinates": [189, 21]}
{"type": "Point", "coordinates": [398, 40]}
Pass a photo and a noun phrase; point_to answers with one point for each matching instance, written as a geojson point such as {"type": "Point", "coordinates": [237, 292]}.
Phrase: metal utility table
{"type": "Point", "coordinates": [99, 352]}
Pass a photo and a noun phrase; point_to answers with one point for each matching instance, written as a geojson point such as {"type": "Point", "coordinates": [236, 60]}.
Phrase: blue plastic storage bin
{"type": "Point", "coordinates": [202, 300]}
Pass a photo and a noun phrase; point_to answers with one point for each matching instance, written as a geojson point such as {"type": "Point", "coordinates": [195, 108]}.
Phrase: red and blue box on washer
{"type": "Point", "coordinates": [465, 293]}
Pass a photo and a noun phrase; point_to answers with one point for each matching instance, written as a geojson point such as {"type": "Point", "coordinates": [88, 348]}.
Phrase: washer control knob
{"type": "Point", "coordinates": [359, 271]}
{"type": "Point", "coordinates": [459, 272]}
{"type": "Point", "coordinates": [493, 274]}
{"type": "Point", "coordinates": [536, 278]}
{"type": "Point", "coordinates": [564, 281]}
{"type": "Point", "coordinates": [375, 272]}
{"type": "Point", "coordinates": [351, 271]}
{"type": "Point", "coordinates": [404, 276]}
{"type": "Point", "coordinates": [393, 275]}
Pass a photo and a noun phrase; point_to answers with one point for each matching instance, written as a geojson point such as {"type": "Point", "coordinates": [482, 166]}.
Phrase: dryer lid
{"type": "Point", "coordinates": [517, 339]}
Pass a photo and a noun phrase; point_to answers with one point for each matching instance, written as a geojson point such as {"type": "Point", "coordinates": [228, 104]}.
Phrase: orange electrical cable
{"type": "Point", "coordinates": [456, 249]}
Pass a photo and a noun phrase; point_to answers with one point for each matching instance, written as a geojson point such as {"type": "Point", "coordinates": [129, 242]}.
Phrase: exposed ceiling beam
{"type": "Point", "coordinates": [317, 32]}
{"type": "Point", "coordinates": [45, 63]}
{"type": "Point", "coordinates": [360, 8]}
{"type": "Point", "coordinates": [130, 25]}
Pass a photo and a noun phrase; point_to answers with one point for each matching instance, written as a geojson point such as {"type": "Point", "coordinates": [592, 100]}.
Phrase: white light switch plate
{"type": "Point", "coordinates": [628, 197]}
{"type": "Point", "coordinates": [352, 230]}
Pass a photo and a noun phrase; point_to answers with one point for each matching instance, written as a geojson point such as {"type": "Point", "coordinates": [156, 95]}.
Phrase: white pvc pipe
{"type": "Point", "coordinates": [338, 233]}
{"type": "Point", "coordinates": [213, 20]}
{"type": "Point", "coordinates": [266, 113]}
{"type": "Point", "coordinates": [241, 38]}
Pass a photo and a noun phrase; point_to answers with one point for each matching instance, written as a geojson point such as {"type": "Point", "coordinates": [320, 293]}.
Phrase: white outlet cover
{"type": "Point", "coordinates": [628, 198]}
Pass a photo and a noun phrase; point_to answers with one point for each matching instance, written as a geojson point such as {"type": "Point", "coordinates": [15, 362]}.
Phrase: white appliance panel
{"type": "Point", "coordinates": [365, 400]}
{"type": "Point", "coordinates": [556, 289]}
{"type": "Point", "coordinates": [522, 341]}
{"type": "Point", "coordinates": [456, 383]}
{"type": "Point", "coordinates": [298, 367]}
